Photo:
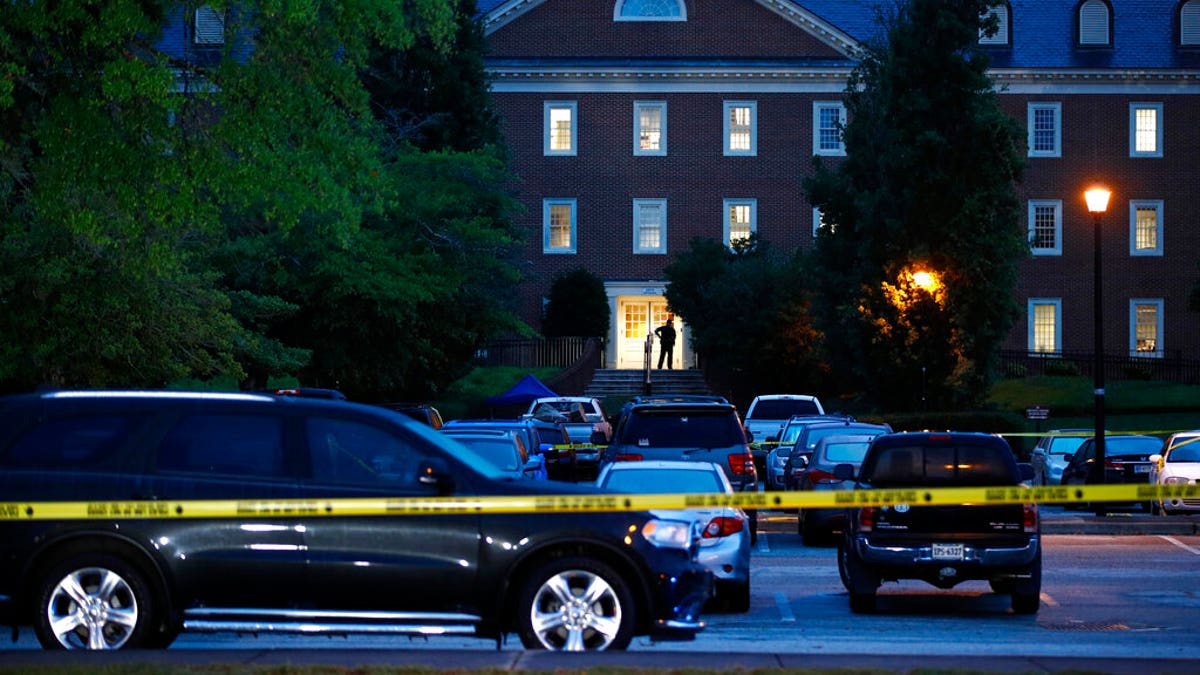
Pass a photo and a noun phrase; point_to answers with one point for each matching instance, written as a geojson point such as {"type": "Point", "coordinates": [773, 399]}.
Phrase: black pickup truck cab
{"type": "Point", "coordinates": [942, 545]}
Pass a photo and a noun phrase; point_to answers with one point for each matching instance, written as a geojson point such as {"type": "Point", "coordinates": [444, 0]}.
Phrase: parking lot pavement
{"type": "Point", "coordinates": [1060, 520]}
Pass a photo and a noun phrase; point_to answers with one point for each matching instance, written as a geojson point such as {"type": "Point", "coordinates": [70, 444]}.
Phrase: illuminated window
{"type": "Point", "coordinates": [739, 220]}
{"type": "Point", "coordinates": [1145, 129]}
{"type": "Point", "coordinates": [649, 127]}
{"type": "Point", "coordinates": [649, 226]}
{"type": "Point", "coordinates": [637, 315]}
{"type": "Point", "coordinates": [1045, 129]}
{"type": "Point", "coordinates": [1045, 325]}
{"type": "Point", "coordinates": [740, 118]}
{"type": "Point", "coordinates": [649, 10]}
{"type": "Point", "coordinates": [558, 225]}
{"type": "Point", "coordinates": [560, 125]}
{"type": "Point", "coordinates": [828, 120]}
{"type": "Point", "coordinates": [1094, 26]}
{"type": "Point", "coordinates": [1045, 227]}
{"type": "Point", "coordinates": [1145, 327]}
{"type": "Point", "coordinates": [1145, 231]}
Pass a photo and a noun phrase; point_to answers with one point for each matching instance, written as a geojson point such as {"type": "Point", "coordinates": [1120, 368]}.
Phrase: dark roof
{"type": "Point", "coordinates": [1145, 33]}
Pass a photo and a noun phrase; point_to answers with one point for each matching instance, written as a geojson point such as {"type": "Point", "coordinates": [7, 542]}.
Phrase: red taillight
{"type": "Point", "coordinates": [742, 464]}
{"type": "Point", "coordinates": [866, 518]}
{"type": "Point", "coordinates": [1030, 519]}
{"type": "Point", "coordinates": [627, 457]}
{"type": "Point", "coordinates": [722, 526]}
{"type": "Point", "coordinates": [823, 477]}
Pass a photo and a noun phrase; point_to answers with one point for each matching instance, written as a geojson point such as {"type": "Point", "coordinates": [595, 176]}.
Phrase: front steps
{"type": "Point", "coordinates": [625, 383]}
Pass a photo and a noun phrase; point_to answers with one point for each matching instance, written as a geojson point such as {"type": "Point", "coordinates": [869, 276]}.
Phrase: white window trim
{"type": "Point", "coordinates": [547, 131]}
{"type": "Point", "coordinates": [1158, 329]}
{"type": "Point", "coordinates": [618, 17]}
{"type": "Point", "coordinates": [1030, 330]}
{"type": "Point", "coordinates": [1157, 205]}
{"type": "Point", "coordinates": [1042, 105]}
{"type": "Point", "coordinates": [727, 204]}
{"type": "Point", "coordinates": [1158, 129]}
{"type": "Point", "coordinates": [1058, 226]}
{"type": "Point", "coordinates": [546, 248]}
{"type": "Point", "coordinates": [818, 106]}
{"type": "Point", "coordinates": [753, 106]}
{"type": "Point", "coordinates": [662, 239]}
{"type": "Point", "coordinates": [637, 128]}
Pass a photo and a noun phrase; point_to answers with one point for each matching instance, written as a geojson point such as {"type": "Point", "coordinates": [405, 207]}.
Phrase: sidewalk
{"type": "Point", "coordinates": [1085, 522]}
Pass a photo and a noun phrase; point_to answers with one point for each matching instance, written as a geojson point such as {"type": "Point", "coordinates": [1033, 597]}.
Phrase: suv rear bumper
{"type": "Point", "coordinates": [985, 559]}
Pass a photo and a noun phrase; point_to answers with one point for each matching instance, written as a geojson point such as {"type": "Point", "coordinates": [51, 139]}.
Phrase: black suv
{"type": "Point", "coordinates": [942, 545]}
{"type": "Point", "coordinates": [281, 564]}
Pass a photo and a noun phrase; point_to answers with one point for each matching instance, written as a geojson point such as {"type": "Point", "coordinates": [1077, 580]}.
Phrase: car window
{"type": "Point", "coordinates": [1067, 444]}
{"type": "Point", "coordinates": [782, 409]}
{"type": "Point", "coordinates": [1185, 453]}
{"type": "Point", "coordinates": [941, 464]}
{"type": "Point", "coordinates": [814, 436]}
{"type": "Point", "coordinates": [651, 481]}
{"type": "Point", "coordinates": [846, 451]}
{"type": "Point", "coordinates": [347, 452]}
{"type": "Point", "coordinates": [683, 428]}
{"type": "Point", "coordinates": [230, 444]}
{"type": "Point", "coordinates": [76, 442]}
{"type": "Point", "coordinates": [499, 450]}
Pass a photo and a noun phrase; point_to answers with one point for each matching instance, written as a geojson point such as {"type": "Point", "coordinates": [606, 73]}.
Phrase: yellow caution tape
{"type": "Point", "coordinates": [12, 511]}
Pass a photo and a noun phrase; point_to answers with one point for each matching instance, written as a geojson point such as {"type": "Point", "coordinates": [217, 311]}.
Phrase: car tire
{"type": "Point", "coordinates": [812, 534]}
{"type": "Point", "coordinates": [860, 582]}
{"type": "Point", "coordinates": [735, 598]}
{"type": "Point", "coordinates": [575, 604]}
{"type": "Point", "coordinates": [94, 601]}
{"type": "Point", "coordinates": [1026, 593]}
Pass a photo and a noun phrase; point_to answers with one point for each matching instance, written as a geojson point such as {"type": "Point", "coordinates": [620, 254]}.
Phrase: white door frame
{"type": "Point", "coordinates": [651, 291]}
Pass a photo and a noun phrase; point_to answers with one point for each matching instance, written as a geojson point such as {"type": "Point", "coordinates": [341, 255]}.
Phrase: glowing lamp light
{"type": "Point", "coordinates": [1097, 199]}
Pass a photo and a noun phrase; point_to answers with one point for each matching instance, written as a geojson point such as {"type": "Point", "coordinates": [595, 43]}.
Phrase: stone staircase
{"type": "Point", "coordinates": [626, 383]}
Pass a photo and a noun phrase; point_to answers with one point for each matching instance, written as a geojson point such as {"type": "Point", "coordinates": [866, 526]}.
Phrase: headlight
{"type": "Point", "coordinates": [669, 533]}
{"type": "Point", "coordinates": [1176, 480]}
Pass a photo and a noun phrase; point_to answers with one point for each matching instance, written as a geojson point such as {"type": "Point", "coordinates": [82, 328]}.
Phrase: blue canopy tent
{"type": "Point", "coordinates": [521, 393]}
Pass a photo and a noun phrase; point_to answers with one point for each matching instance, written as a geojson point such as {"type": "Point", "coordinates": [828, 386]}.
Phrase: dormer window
{"type": "Point", "coordinates": [1003, 35]}
{"type": "Point", "coordinates": [649, 10]}
{"type": "Point", "coordinates": [1189, 24]}
{"type": "Point", "coordinates": [210, 27]}
{"type": "Point", "coordinates": [1095, 26]}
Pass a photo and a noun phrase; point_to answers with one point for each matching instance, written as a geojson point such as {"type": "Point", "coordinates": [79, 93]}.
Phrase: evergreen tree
{"type": "Point", "coordinates": [577, 306]}
{"type": "Point", "coordinates": [928, 185]}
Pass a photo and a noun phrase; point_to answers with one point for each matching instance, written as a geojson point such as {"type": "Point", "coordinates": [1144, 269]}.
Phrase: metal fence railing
{"type": "Point", "coordinates": [1170, 367]}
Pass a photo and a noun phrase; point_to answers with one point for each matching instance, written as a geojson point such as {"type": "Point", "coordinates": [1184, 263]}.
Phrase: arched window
{"type": "Point", "coordinates": [1095, 28]}
{"type": "Point", "coordinates": [1003, 35]}
{"type": "Point", "coordinates": [1189, 24]}
{"type": "Point", "coordinates": [649, 10]}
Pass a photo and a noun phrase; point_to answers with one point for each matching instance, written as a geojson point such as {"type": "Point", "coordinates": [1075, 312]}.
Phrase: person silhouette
{"type": "Point", "coordinates": [666, 337]}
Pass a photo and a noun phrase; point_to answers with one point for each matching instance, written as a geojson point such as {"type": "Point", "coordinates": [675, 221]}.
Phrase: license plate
{"type": "Point", "coordinates": [947, 551]}
{"type": "Point", "coordinates": [1145, 468]}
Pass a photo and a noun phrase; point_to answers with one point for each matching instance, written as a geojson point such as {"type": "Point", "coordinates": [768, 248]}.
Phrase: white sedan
{"type": "Point", "coordinates": [1178, 464]}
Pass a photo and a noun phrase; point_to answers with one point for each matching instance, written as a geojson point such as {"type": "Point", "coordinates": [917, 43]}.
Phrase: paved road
{"type": "Point", "coordinates": [1112, 603]}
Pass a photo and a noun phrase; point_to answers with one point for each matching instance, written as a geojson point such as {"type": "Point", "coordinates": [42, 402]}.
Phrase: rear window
{"type": "Point", "coordinates": [782, 409]}
{"type": "Point", "coordinates": [970, 465]}
{"type": "Point", "coordinates": [71, 442]}
{"type": "Point", "coordinates": [651, 481]}
{"type": "Point", "coordinates": [683, 428]}
{"type": "Point", "coordinates": [814, 436]}
{"type": "Point", "coordinates": [851, 452]}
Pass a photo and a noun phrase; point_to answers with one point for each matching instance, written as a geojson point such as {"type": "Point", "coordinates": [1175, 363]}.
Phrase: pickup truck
{"type": "Point", "coordinates": [941, 545]}
{"type": "Point", "coordinates": [585, 423]}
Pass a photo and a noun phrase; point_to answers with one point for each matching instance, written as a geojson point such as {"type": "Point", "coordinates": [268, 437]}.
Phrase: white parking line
{"type": "Point", "coordinates": [1048, 601]}
{"type": "Point", "coordinates": [785, 610]}
{"type": "Point", "coordinates": [1180, 544]}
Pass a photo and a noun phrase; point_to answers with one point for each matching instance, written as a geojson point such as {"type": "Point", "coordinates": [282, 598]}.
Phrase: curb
{"type": "Point", "coordinates": [1121, 524]}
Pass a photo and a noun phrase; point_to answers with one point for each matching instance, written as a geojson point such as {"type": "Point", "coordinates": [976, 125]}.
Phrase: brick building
{"type": "Point", "coordinates": [636, 125]}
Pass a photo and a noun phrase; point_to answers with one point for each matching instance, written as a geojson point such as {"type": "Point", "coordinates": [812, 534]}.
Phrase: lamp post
{"type": "Point", "coordinates": [1097, 203]}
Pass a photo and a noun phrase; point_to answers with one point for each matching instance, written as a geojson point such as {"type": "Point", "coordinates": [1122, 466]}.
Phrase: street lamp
{"type": "Point", "coordinates": [1097, 204]}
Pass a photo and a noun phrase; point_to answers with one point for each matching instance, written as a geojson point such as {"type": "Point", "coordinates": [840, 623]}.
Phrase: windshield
{"type": "Point", "coordinates": [683, 429]}
{"type": "Point", "coordinates": [651, 481]}
{"type": "Point", "coordinates": [782, 409]}
{"type": "Point", "coordinates": [1185, 453]}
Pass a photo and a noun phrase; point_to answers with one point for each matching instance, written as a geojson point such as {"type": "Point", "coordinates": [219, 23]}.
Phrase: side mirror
{"type": "Point", "coordinates": [844, 472]}
{"type": "Point", "coordinates": [1155, 459]}
{"type": "Point", "coordinates": [435, 473]}
{"type": "Point", "coordinates": [531, 467]}
{"type": "Point", "coordinates": [802, 461]}
{"type": "Point", "coordinates": [1026, 471]}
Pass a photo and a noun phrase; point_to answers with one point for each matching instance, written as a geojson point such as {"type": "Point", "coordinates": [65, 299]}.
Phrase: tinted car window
{"type": "Point", "coordinates": [240, 445]}
{"type": "Point", "coordinates": [690, 428]}
{"type": "Point", "coordinates": [77, 442]}
{"type": "Point", "coordinates": [781, 409]}
{"type": "Point", "coordinates": [919, 465]}
{"type": "Point", "coordinates": [346, 452]}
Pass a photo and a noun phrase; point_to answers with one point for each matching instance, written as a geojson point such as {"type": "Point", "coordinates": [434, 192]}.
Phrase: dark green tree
{"type": "Point", "coordinates": [928, 185]}
{"type": "Point", "coordinates": [747, 310]}
{"type": "Point", "coordinates": [577, 306]}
